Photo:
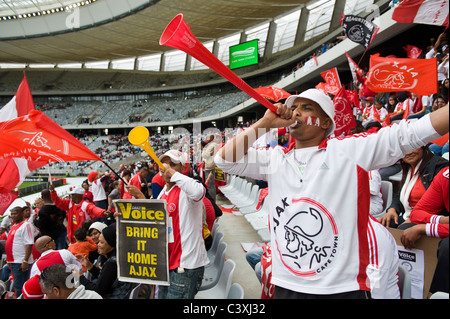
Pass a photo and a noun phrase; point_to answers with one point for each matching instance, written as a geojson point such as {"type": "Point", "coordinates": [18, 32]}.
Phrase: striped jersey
{"type": "Point", "coordinates": [19, 237]}
{"type": "Point", "coordinates": [185, 208]}
{"type": "Point", "coordinates": [319, 203]}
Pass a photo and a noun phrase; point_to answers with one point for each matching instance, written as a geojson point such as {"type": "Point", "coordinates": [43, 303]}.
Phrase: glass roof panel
{"type": "Point", "coordinates": [16, 7]}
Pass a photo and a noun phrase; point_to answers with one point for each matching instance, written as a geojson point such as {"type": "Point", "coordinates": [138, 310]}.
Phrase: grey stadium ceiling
{"type": "Point", "coordinates": [112, 29]}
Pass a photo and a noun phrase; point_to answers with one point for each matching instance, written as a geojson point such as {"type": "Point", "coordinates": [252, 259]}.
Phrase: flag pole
{"type": "Point", "coordinates": [125, 183]}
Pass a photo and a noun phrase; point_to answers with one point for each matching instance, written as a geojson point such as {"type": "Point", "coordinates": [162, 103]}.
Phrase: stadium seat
{"type": "Point", "coordinates": [439, 295]}
{"type": "Point", "coordinates": [387, 190]}
{"type": "Point", "coordinates": [222, 288]}
{"type": "Point", "coordinates": [264, 234]}
{"type": "Point", "coordinates": [404, 282]}
{"type": "Point", "coordinates": [236, 292]}
{"type": "Point", "coordinates": [212, 252]}
{"type": "Point", "coordinates": [143, 291]}
{"type": "Point", "coordinates": [213, 271]}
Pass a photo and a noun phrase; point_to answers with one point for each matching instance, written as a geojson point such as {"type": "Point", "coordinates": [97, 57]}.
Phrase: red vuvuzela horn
{"type": "Point", "coordinates": [179, 36]}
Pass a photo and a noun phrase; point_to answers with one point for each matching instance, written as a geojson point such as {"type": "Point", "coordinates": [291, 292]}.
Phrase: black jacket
{"type": "Point", "coordinates": [434, 166]}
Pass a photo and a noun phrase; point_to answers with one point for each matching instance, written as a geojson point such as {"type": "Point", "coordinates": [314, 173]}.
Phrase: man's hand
{"type": "Point", "coordinates": [282, 118]}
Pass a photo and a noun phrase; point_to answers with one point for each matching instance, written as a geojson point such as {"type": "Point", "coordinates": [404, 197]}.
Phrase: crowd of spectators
{"type": "Point", "coordinates": [77, 234]}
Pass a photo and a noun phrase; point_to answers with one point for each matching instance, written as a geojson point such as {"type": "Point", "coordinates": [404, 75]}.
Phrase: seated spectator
{"type": "Point", "coordinates": [105, 281]}
{"type": "Point", "coordinates": [55, 283]}
{"type": "Point", "coordinates": [83, 246]}
{"type": "Point", "coordinates": [50, 255]}
{"type": "Point", "coordinates": [430, 217]}
{"type": "Point", "coordinates": [94, 232]}
{"type": "Point", "coordinates": [419, 168]}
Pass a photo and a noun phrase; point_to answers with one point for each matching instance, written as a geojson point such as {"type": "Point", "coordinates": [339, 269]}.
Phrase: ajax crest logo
{"type": "Point", "coordinates": [308, 239]}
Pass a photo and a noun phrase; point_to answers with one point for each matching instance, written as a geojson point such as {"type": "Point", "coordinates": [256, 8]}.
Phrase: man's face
{"type": "Point", "coordinates": [77, 198]}
{"type": "Point", "coordinates": [17, 215]}
{"type": "Point", "coordinates": [311, 119]}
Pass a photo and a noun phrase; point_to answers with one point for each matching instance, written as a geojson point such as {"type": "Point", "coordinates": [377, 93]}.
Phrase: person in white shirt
{"type": "Point", "coordinates": [100, 199]}
{"type": "Point", "coordinates": [319, 195]}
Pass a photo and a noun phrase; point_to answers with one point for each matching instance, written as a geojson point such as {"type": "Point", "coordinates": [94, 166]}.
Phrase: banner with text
{"type": "Point", "coordinates": [142, 246]}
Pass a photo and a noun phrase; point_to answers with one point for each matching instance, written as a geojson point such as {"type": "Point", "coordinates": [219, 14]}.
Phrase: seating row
{"type": "Point", "coordinates": [217, 279]}
{"type": "Point", "coordinates": [246, 197]}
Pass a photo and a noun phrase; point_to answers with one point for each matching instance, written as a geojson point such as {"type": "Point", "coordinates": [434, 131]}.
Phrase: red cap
{"type": "Point", "coordinates": [31, 288]}
{"type": "Point", "coordinates": [92, 176]}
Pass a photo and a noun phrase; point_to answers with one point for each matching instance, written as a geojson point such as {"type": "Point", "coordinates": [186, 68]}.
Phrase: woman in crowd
{"type": "Point", "coordinates": [106, 284]}
{"type": "Point", "coordinates": [419, 168]}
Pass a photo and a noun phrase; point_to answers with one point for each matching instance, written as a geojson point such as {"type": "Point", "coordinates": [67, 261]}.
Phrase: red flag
{"type": "Point", "coordinates": [354, 68]}
{"type": "Point", "coordinates": [406, 110]}
{"type": "Point", "coordinates": [352, 97]}
{"type": "Point", "coordinates": [321, 86]}
{"type": "Point", "coordinates": [412, 52]}
{"type": "Point", "coordinates": [273, 93]}
{"type": "Point", "coordinates": [36, 137]}
{"type": "Point", "coordinates": [395, 74]}
{"type": "Point", "coordinates": [20, 104]}
{"type": "Point", "coordinates": [6, 199]}
{"type": "Point", "coordinates": [14, 170]}
{"type": "Point", "coordinates": [343, 113]}
{"type": "Point", "coordinates": [332, 81]}
{"type": "Point", "coordinates": [434, 12]}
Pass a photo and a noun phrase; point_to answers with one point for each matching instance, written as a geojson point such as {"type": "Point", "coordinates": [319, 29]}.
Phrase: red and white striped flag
{"type": "Point", "coordinates": [433, 12]}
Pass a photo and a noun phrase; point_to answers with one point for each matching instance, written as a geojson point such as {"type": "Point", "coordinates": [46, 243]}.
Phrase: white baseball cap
{"type": "Point", "coordinates": [175, 156]}
{"type": "Point", "coordinates": [78, 190]}
{"type": "Point", "coordinates": [320, 98]}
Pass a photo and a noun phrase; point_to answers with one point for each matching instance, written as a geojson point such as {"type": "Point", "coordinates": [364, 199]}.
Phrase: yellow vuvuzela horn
{"type": "Point", "coordinates": [139, 137]}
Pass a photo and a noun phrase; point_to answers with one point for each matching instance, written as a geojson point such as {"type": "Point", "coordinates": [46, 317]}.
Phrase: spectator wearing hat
{"type": "Point", "coordinates": [18, 248]}
{"type": "Point", "coordinates": [95, 229]}
{"type": "Point", "coordinates": [31, 289]}
{"type": "Point", "coordinates": [105, 280]}
{"type": "Point", "coordinates": [46, 246]}
{"type": "Point", "coordinates": [319, 196]}
{"type": "Point", "coordinates": [56, 284]}
{"type": "Point", "coordinates": [187, 252]}
{"type": "Point", "coordinates": [76, 209]}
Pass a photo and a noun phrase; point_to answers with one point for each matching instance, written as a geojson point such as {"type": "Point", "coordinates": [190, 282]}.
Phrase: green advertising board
{"type": "Point", "coordinates": [244, 54]}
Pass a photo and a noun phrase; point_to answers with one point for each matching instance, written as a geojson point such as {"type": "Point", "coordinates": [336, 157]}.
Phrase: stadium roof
{"type": "Point", "coordinates": [114, 29]}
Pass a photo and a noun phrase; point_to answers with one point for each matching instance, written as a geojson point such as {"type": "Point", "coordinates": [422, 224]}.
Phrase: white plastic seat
{"type": "Point", "coordinates": [212, 252]}
{"type": "Point", "coordinates": [213, 271]}
{"type": "Point", "coordinates": [404, 282]}
{"type": "Point", "coordinates": [222, 288]}
{"type": "Point", "coordinates": [264, 234]}
{"type": "Point", "coordinates": [237, 292]}
{"type": "Point", "coordinates": [387, 190]}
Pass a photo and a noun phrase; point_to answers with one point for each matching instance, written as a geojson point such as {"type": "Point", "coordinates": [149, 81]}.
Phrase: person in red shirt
{"type": "Point", "coordinates": [419, 169]}
{"type": "Point", "coordinates": [428, 215]}
{"type": "Point", "coordinates": [137, 180]}
{"type": "Point", "coordinates": [77, 210]}
{"type": "Point", "coordinates": [87, 193]}
{"type": "Point", "coordinates": [431, 218]}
